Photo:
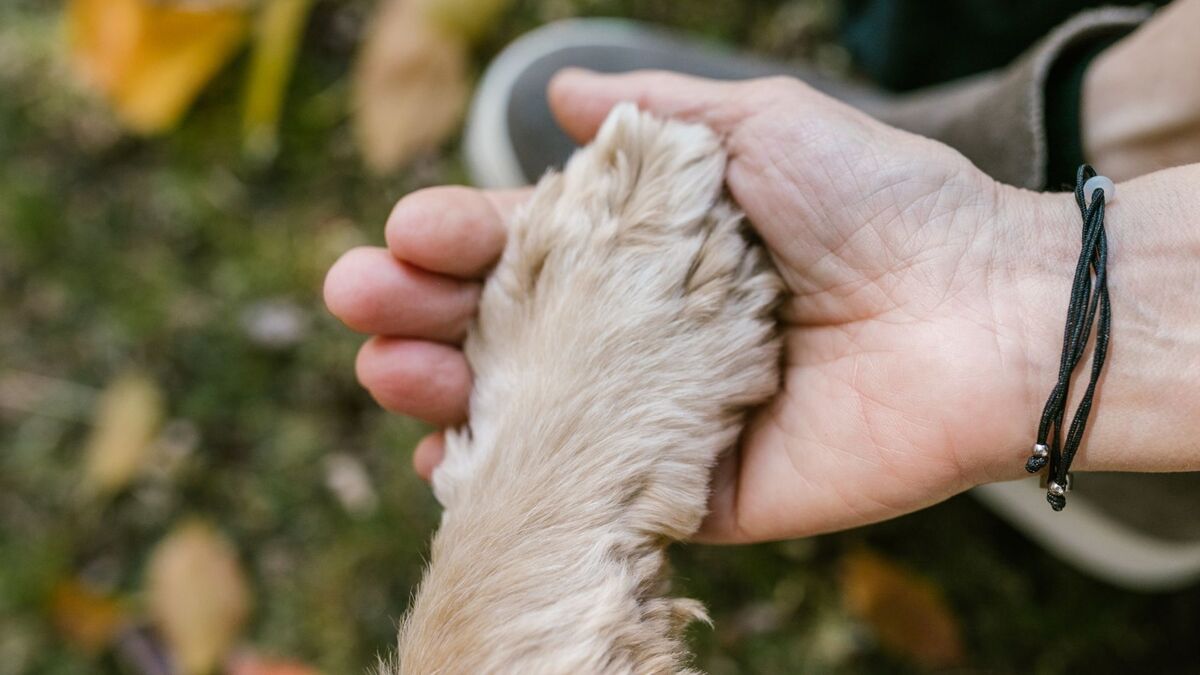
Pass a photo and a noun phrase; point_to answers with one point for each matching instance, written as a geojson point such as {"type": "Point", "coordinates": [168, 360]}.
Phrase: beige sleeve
{"type": "Point", "coordinates": [997, 119]}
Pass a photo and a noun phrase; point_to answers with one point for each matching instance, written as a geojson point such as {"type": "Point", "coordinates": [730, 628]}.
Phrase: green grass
{"type": "Point", "coordinates": [118, 253]}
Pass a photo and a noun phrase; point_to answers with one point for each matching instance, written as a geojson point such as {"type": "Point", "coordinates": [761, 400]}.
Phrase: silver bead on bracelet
{"type": "Point", "coordinates": [1038, 458]}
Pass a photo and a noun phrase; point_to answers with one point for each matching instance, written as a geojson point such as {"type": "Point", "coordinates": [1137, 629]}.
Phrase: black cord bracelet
{"type": "Point", "coordinates": [1089, 299]}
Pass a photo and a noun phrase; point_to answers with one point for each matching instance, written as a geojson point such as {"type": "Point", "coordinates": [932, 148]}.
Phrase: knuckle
{"type": "Point", "coordinates": [777, 90]}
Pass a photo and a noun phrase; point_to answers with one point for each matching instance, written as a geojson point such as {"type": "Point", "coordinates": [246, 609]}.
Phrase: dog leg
{"type": "Point", "coordinates": [621, 339]}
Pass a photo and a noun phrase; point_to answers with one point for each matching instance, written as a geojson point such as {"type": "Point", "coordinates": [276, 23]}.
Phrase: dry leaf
{"type": "Point", "coordinates": [907, 612]}
{"type": "Point", "coordinates": [27, 392]}
{"type": "Point", "coordinates": [280, 27]}
{"type": "Point", "coordinates": [128, 414]}
{"type": "Point", "coordinates": [197, 595]}
{"type": "Point", "coordinates": [249, 663]}
{"type": "Point", "coordinates": [468, 19]}
{"type": "Point", "coordinates": [85, 618]}
{"type": "Point", "coordinates": [410, 85]}
{"type": "Point", "coordinates": [151, 58]}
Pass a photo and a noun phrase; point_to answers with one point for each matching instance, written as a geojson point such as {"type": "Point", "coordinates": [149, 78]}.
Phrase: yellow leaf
{"type": "Point", "coordinates": [128, 414]}
{"type": "Point", "coordinates": [253, 664]}
{"type": "Point", "coordinates": [197, 595]}
{"type": "Point", "coordinates": [280, 27]}
{"type": "Point", "coordinates": [84, 617]}
{"type": "Point", "coordinates": [469, 19]}
{"type": "Point", "coordinates": [410, 85]}
{"type": "Point", "coordinates": [151, 58]}
{"type": "Point", "coordinates": [907, 612]}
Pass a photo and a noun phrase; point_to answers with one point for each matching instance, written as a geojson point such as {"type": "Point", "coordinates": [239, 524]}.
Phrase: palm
{"type": "Point", "coordinates": [891, 336]}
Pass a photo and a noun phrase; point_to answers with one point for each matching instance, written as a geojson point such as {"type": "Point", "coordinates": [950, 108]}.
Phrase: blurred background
{"type": "Point", "coordinates": [192, 482]}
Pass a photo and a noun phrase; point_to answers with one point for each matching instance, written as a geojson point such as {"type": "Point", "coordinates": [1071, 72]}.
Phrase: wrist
{"type": "Point", "coordinates": [1145, 408]}
{"type": "Point", "coordinates": [1037, 240]}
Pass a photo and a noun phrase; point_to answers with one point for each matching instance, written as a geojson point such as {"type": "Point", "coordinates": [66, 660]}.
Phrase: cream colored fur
{"type": "Point", "coordinates": [622, 337]}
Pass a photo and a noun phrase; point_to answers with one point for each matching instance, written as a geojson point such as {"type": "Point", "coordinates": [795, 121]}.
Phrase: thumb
{"type": "Point", "coordinates": [581, 99]}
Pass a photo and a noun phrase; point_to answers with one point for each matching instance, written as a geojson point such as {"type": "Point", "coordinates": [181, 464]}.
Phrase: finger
{"type": "Point", "coordinates": [581, 99]}
{"type": "Point", "coordinates": [428, 454]}
{"type": "Point", "coordinates": [453, 230]}
{"type": "Point", "coordinates": [372, 292]}
{"type": "Point", "coordinates": [426, 380]}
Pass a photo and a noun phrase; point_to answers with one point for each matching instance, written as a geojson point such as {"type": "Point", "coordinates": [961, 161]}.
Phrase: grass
{"type": "Point", "coordinates": [160, 255]}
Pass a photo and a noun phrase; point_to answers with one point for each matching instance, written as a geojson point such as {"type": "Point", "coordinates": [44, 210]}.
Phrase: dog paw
{"type": "Point", "coordinates": [626, 328]}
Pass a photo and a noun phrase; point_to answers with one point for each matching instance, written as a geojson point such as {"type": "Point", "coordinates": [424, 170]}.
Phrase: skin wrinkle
{"type": "Point", "coordinates": [955, 451]}
{"type": "Point", "coordinates": [873, 273]}
{"type": "Point", "coordinates": [1030, 374]}
{"type": "Point", "coordinates": [894, 280]}
{"type": "Point", "coordinates": [937, 196]}
{"type": "Point", "coordinates": [850, 171]}
{"type": "Point", "coordinates": [852, 392]}
{"type": "Point", "coordinates": [872, 424]}
{"type": "Point", "coordinates": [838, 295]}
{"type": "Point", "coordinates": [954, 288]}
{"type": "Point", "coordinates": [799, 356]}
{"type": "Point", "coordinates": [985, 471]}
{"type": "Point", "coordinates": [776, 421]}
{"type": "Point", "coordinates": [807, 457]}
{"type": "Point", "coordinates": [885, 186]}
{"type": "Point", "coordinates": [861, 407]}
{"type": "Point", "coordinates": [852, 496]}
{"type": "Point", "coordinates": [768, 172]}
{"type": "Point", "coordinates": [779, 168]}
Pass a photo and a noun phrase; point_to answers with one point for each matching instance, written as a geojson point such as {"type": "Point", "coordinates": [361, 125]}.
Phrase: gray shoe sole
{"type": "Point", "coordinates": [511, 136]}
{"type": "Point", "coordinates": [1123, 549]}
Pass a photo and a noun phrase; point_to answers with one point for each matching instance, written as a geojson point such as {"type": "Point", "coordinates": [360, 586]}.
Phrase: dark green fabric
{"type": "Point", "coordinates": [908, 44]}
{"type": "Point", "coordinates": [1064, 92]}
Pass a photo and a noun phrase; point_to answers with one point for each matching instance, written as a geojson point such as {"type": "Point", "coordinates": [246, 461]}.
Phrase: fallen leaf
{"type": "Point", "coordinates": [127, 416]}
{"type": "Point", "coordinates": [277, 38]}
{"type": "Point", "coordinates": [350, 482]}
{"type": "Point", "coordinates": [274, 324]}
{"type": "Point", "coordinates": [151, 58]}
{"type": "Point", "coordinates": [468, 19]}
{"type": "Point", "coordinates": [410, 85]}
{"type": "Point", "coordinates": [907, 612]}
{"type": "Point", "coordinates": [27, 392]}
{"type": "Point", "coordinates": [85, 618]}
{"type": "Point", "coordinates": [140, 651]}
{"type": "Point", "coordinates": [250, 663]}
{"type": "Point", "coordinates": [197, 596]}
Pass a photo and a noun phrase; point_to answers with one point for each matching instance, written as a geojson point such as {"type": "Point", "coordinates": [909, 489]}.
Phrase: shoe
{"type": "Point", "coordinates": [511, 137]}
{"type": "Point", "coordinates": [1134, 530]}
{"type": "Point", "coordinates": [1137, 531]}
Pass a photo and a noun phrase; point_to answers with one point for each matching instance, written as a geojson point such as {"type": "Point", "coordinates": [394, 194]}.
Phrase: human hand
{"type": "Point", "coordinates": [906, 379]}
